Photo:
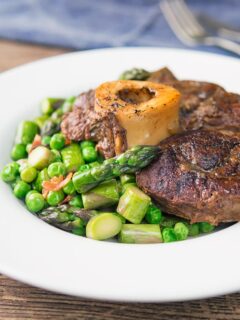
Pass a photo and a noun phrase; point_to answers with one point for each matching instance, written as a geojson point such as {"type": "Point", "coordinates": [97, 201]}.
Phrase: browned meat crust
{"type": "Point", "coordinates": [163, 75]}
{"type": "Point", "coordinates": [197, 177]}
{"type": "Point", "coordinates": [84, 123]}
{"type": "Point", "coordinates": [203, 105]}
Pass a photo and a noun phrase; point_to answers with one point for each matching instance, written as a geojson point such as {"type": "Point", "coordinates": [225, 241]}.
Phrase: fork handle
{"type": "Point", "coordinates": [228, 45]}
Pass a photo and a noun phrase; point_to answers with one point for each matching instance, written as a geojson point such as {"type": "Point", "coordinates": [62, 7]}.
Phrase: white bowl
{"type": "Point", "coordinates": [41, 255]}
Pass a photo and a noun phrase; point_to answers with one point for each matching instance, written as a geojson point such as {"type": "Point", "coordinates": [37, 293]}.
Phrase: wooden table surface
{"type": "Point", "coordinates": [20, 301]}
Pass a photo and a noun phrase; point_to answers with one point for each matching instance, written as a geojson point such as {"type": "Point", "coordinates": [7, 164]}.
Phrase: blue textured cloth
{"type": "Point", "coordinates": [87, 24]}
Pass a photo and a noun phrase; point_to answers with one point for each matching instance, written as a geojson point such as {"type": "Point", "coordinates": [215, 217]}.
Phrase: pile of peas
{"type": "Point", "coordinates": [56, 157]}
{"type": "Point", "coordinates": [23, 178]}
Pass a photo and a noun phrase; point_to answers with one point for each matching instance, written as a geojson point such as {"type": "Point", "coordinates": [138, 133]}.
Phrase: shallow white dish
{"type": "Point", "coordinates": [41, 255]}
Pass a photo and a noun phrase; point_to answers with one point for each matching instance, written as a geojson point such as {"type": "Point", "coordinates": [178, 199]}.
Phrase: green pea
{"type": "Point", "coordinates": [69, 188]}
{"type": "Point", "coordinates": [10, 172]}
{"type": "Point", "coordinates": [21, 188]}
{"type": "Point", "coordinates": [84, 167]}
{"type": "Point", "coordinates": [18, 152]}
{"type": "Point", "coordinates": [205, 227]}
{"type": "Point", "coordinates": [63, 217]}
{"type": "Point", "coordinates": [89, 154]}
{"type": "Point", "coordinates": [78, 227]}
{"type": "Point", "coordinates": [42, 176]}
{"type": "Point", "coordinates": [193, 229]}
{"type": "Point", "coordinates": [153, 215]}
{"type": "Point", "coordinates": [169, 235]}
{"type": "Point", "coordinates": [56, 155]}
{"type": "Point", "coordinates": [76, 201]}
{"type": "Point", "coordinates": [46, 140]}
{"type": "Point", "coordinates": [57, 169]}
{"type": "Point", "coordinates": [34, 201]}
{"type": "Point", "coordinates": [55, 197]}
{"type": "Point", "coordinates": [57, 141]}
{"type": "Point", "coordinates": [181, 231]}
{"type": "Point", "coordinates": [87, 143]}
{"type": "Point", "coordinates": [80, 231]}
{"type": "Point", "coordinates": [12, 184]}
{"type": "Point", "coordinates": [28, 174]}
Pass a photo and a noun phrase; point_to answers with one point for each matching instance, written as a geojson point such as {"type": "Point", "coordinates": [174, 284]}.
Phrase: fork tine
{"type": "Point", "coordinates": [191, 24]}
{"type": "Point", "coordinates": [175, 24]}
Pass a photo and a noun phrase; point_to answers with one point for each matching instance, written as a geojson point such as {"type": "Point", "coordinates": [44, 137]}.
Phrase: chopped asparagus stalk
{"type": "Point", "coordinates": [26, 132]}
{"type": "Point", "coordinates": [41, 120]}
{"type": "Point", "coordinates": [133, 204]}
{"type": "Point", "coordinates": [126, 185]}
{"type": "Point", "coordinates": [72, 157]}
{"type": "Point", "coordinates": [68, 104]}
{"type": "Point", "coordinates": [103, 226]}
{"type": "Point", "coordinates": [105, 194]}
{"type": "Point", "coordinates": [140, 233]}
{"type": "Point", "coordinates": [51, 104]}
{"type": "Point", "coordinates": [40, 157]}
{"type": "Point", "coordinates": [129, 162]}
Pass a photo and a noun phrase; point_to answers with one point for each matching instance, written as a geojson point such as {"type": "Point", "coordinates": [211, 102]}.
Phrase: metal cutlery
{"type": "Point", "coordinates": [189, 30]}
{"type": "Point", "coordinates": [218, 27]}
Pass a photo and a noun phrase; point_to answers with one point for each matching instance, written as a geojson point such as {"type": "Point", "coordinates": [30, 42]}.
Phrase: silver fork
{"type": "Point", "coordinates": [188, 29]}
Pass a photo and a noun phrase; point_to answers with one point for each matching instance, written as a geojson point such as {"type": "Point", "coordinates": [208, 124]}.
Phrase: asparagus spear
{"type": "Point", "coordinates": [50, 127]}
{"type": "Point", "coordinates": [129, 162]}
{"type": "Point", "coordinates": [103, 226]}
{"type": "Point", "coordinates": [140, 233]}
{"type": "Point", "coordinates": [67, 218]}
{"type": "Point", "coordinates": [105, 194]}
{"type": "Point", "coordinates": [133, 204]}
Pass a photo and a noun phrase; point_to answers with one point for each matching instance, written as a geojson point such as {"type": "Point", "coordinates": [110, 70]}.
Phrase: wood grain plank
{"type": "Point", "coordinates": [13, 54]}
{"type": "Point", "coordinates": [20, 301]}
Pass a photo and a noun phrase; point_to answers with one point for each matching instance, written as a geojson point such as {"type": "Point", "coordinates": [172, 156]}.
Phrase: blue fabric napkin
{"type": "Point", "coordinates": [87, 24]}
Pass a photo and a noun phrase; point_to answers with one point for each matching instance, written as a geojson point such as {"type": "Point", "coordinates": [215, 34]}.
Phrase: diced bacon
{"type": "Point", "coordinates": [37, 141]}
{"type": "Point", "coordinates": [56, 183]}
{"type": "Point", "coordinates": [67, 141]}
{"type": "Point", "coordinates": [67, 199]}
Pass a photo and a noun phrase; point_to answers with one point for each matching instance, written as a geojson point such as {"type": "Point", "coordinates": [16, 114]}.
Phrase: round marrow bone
{"type": "Point", "coordinates": [148, 111]}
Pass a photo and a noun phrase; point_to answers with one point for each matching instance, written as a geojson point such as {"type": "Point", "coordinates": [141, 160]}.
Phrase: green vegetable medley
{"type": "Point", "coordinates": [69, 185]}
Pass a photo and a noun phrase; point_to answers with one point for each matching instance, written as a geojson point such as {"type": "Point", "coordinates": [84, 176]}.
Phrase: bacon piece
{"type": "Point", "coordinates": [37, 141]}
{"type": "Point", "coordinates": [55, 184]}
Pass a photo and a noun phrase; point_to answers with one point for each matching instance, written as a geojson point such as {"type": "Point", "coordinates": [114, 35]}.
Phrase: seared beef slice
{"type": "Point", "coordinates": [84, 123]}
{"type": "Point", "coordinates": [197, 177]}
{"type": "Point", "coordinates": [203, 105]}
